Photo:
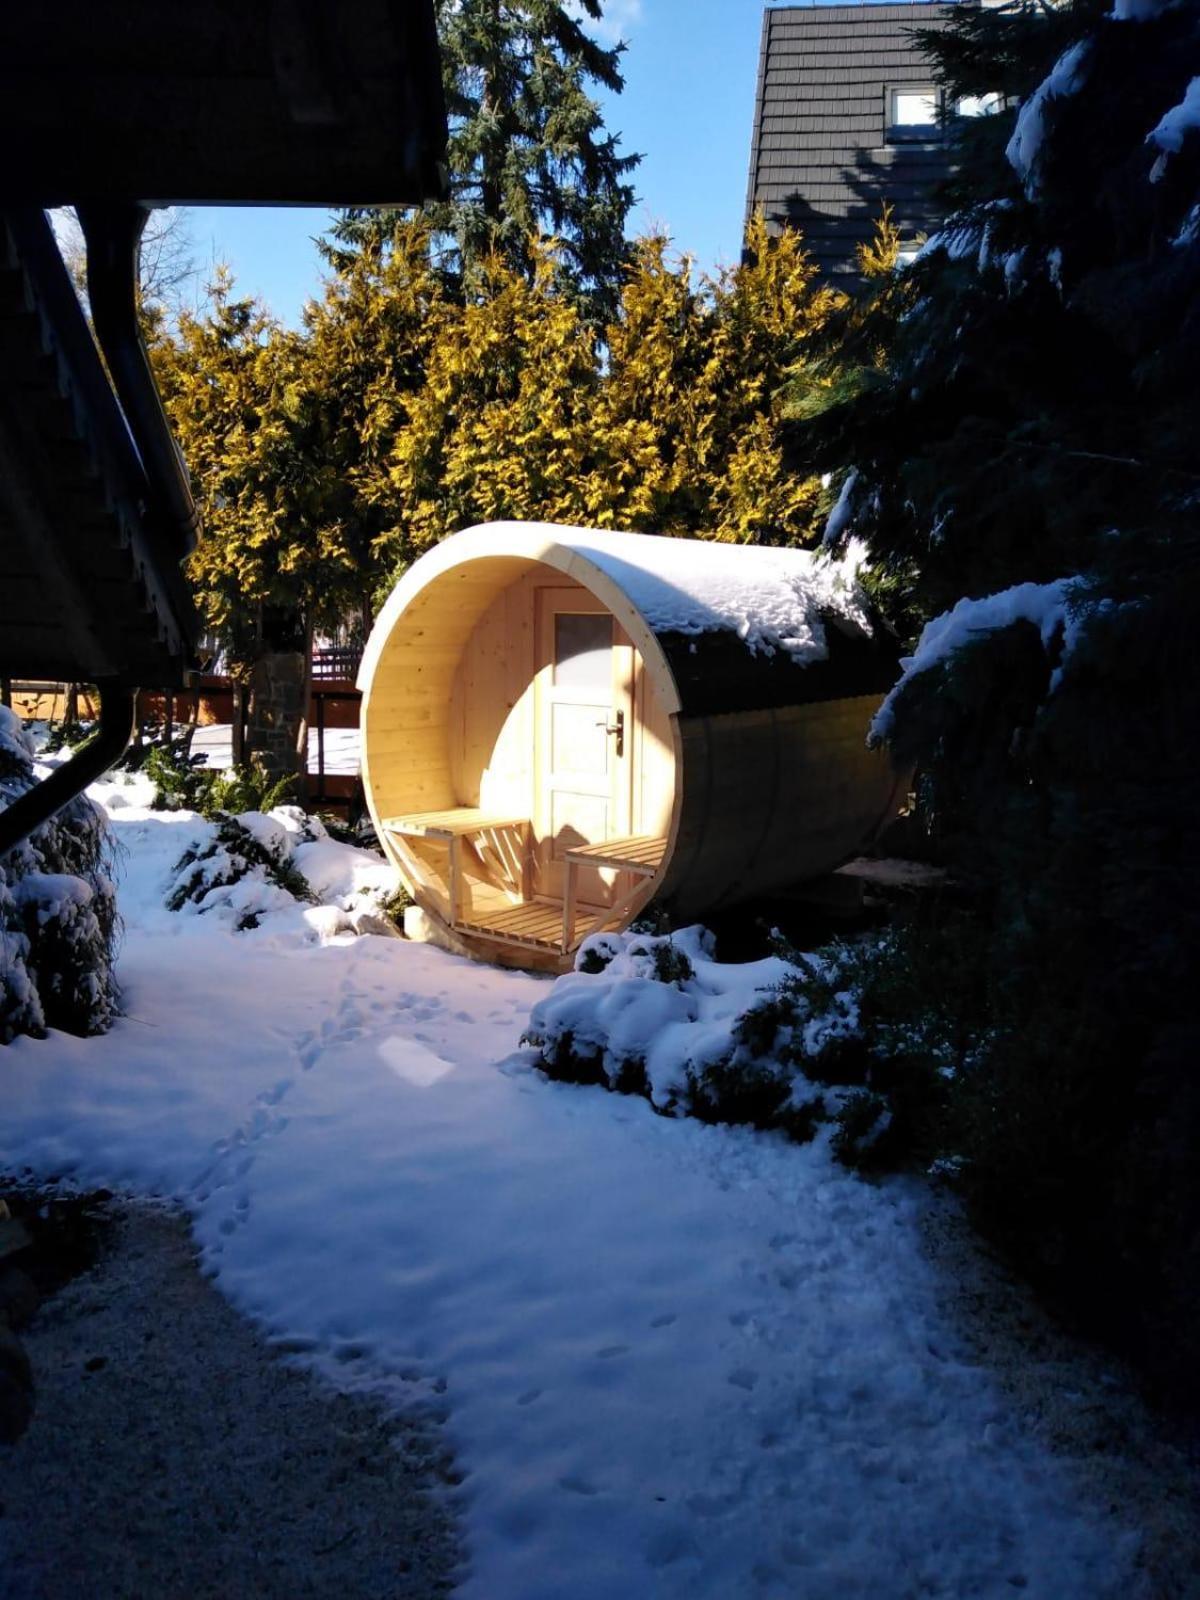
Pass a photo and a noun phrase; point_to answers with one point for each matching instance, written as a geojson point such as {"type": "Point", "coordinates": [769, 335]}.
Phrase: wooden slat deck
{"type": "Point", "coordinates": [638, 853]}
{"type": "Point", "coordinates": [535, 925]}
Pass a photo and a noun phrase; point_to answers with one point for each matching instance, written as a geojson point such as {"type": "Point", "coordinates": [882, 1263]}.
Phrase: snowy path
{"type": "Point", "coordinates": [674, 1361]}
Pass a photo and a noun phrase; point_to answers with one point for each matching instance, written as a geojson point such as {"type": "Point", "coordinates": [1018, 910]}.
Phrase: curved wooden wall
{"type": "Point", "coordinates": [761, 797]}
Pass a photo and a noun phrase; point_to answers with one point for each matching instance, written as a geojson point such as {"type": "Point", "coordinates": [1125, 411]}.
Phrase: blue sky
{"type": "Point", "coordinates": [687, 108]}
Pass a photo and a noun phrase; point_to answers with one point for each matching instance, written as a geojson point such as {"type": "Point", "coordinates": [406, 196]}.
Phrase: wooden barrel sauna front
{"type": "Point", "coordinates": [562, 725]}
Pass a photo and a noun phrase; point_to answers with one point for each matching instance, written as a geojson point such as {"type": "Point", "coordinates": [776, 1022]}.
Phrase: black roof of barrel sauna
{"type": "Point", "coordinates": [826, 153]}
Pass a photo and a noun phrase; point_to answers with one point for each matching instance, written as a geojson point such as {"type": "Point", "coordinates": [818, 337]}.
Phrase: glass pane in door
{"type": "Point", "coordinates": [583, 652]}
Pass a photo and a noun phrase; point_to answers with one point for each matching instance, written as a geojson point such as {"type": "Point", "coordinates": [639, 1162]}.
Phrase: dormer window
{"type": "Point", "coordinates": [914, 112]}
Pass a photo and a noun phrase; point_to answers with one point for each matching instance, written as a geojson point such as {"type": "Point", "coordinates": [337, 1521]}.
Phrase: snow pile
{"type": "Point", "coordinates": [1053, 608]}
{"type": "Point", "coordinates": [772, 599]}
{"type": "Point", "coordinates": [1066, 77]}
{"type": "Point", "coordinates": [674, 1361]}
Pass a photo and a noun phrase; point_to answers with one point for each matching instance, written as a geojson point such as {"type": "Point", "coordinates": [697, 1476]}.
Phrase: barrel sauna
{"type": "Point", "coordinates": [561, 725]}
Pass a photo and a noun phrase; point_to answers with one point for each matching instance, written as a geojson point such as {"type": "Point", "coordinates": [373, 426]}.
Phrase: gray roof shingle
{"type": "Point", "coordinates": [821, 157]}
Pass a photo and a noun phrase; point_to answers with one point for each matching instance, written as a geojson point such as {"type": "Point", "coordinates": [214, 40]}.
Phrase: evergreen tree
{"type": "Point", "coordinates": [672, 428]}
{"type": "Point", "coordinates": [528, 152]}
{"type": "Point", "coordinates": [697, 383]}
{"type": "Point", "coordinates": [278, 555]}
{"type": "Point", "coordinates": [653, 412]}
{"type": "Point", "coordinates": [769, 313]}
{"type": "Point", "coordinates": [499, 428]}
{"type": "Point", "coordinates": [1019, 410]}
{"type": "Point", "coordinates": [366, 351]}
{"type": "Point", "coordinates": [234, 385]}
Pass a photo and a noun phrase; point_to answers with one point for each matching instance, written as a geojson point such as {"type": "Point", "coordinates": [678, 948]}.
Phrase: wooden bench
{"type": "Point", "coordinates": [463, 822]}
{"type": "Point", "coordinates": [639, 855]}
{"type": "Point", "coordinates": [533, 923]}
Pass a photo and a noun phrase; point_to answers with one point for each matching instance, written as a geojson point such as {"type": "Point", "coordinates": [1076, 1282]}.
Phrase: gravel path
{"type": "Point", "coordinates": [173, 1454]}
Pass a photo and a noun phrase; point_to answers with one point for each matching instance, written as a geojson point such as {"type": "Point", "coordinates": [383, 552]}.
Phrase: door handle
{"type": "Point", "coordinates": [617, 727]}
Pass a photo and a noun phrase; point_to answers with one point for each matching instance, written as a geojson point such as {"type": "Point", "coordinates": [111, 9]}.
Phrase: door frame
{"type": "Point", "coordinates": [551, 600]}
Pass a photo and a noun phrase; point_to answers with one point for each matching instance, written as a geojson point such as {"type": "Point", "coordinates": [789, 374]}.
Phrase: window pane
{"type": "Point", "coordinates": [914, 108]}
{"type": "Point", "coordinates": [583, 652]}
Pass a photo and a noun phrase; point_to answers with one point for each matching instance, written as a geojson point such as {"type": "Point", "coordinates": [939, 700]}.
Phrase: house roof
{"type": "Point", "coordinates": [113, 108]}
{"type": "Point", "coordinates": [299, 102]}
{"type": "Point", "coordinates": [821, 157]}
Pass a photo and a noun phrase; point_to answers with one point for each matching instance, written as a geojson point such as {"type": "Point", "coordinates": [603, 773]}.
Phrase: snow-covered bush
{"type": "Point", "coordinates": [659, 1017]}
{"type": "Point", "coordinates": [787, 1042]}
{"type": "Point", "coordinates": [242, 866]}
{"type": "Point", "coordinates": [247, 866]}
{"type": "Point", "coordinates": [58, 919]}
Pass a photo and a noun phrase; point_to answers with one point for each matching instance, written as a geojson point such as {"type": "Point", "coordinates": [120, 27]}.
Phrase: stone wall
{"type": "Point", "coordinates": [277, 707]}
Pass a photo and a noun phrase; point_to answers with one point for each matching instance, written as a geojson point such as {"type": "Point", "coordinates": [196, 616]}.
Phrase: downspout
{"type": "Point", "coordinates": [118, 704]}
{"type": "Point", "coordinates": [113, 234]}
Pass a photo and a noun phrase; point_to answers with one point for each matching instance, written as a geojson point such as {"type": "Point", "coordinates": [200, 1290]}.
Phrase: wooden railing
{"type": "Point", "coordinates": [336, 663]}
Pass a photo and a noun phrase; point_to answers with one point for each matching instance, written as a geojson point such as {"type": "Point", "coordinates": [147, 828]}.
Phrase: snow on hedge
{"type": "Point", "coordinates": [776, 1043]}
{"type": "Point", "coordinates": [1053, 608]}
{"type": "Point", "coordinates": [621, 1006]}
{"type": "Point", "coordinates": [1065, 78]}
{"type": "Point", "coordinates": [1168, 135]}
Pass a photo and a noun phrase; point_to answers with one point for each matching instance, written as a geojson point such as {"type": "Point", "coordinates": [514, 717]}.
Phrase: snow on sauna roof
{"type": "Point", "coordinates": [772, 599]}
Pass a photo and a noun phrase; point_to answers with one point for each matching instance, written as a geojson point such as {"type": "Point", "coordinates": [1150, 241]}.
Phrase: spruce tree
{"type": "Point", "coordinates": [1018, 409]}
{"type": "Point", "coordinates": [528, 151]}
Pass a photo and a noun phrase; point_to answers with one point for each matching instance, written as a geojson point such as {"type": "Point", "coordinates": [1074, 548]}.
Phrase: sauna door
{"type": "Point", "coordinates": [584, 736]}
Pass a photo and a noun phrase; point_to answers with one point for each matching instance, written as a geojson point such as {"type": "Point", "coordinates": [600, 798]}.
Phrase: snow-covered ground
{"type": "Point", "coordinates": [342, 745]}
{"type": "Point", "coordinates": [674, 1360]}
